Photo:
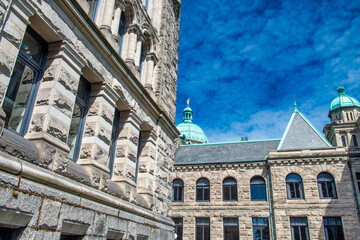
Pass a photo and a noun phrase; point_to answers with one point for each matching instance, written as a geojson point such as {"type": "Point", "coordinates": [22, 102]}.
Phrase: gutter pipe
{"type": "Point", "coordinates": [267, 166]}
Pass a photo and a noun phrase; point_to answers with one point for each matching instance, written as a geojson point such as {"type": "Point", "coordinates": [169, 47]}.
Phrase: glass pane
{"type": "Point", "coordinates": [233, 192]}
{"type": "Point", "coordinates": [206, 194]}
{"type": "Point", "coordinates": [296, 233]}
{"type": "Point", "coordinates": [17, 95]}
{"type": "Point", "coordinates": [226, 193]}
{"type": "Point", "coordinates": [31, 47]}
{"type": "Point", "coordinates": [262, 192]}
{"type": "Point", "coordinates": [74, 129]}
{"type": "Point", "coordinates": [82, 90]}
{"type": "Point", "coordinates": [199, 194]}
{"type": "Point", "coordinates": [199, 233]}
{"type": "Point", "coordinates": [179, 233]}
{"type": "Point", "coordinates": [175, 190]}
{"type": "Point", "coordinates": [206, 233]}
{"type": "Point", "coordinates": [304, 235]}
{"type": "Point", "coordinates": [254, 192]}
{"type": "Point", "coordinates": [257, 233]}
{"type": "Point", "coordinates": [231, 232]}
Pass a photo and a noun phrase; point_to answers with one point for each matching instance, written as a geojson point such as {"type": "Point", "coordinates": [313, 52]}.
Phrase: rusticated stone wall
{"type": "Point", "coordinates": [308, 164]}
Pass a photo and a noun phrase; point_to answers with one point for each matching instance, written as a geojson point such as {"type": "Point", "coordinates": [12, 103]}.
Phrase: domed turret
{"type": "Point", "coordinates": [190, 132]}
{"type": "Point", "coordinates": [342, 100]}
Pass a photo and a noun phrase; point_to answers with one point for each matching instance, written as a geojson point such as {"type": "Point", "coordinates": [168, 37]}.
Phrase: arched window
{"type": "Point", "coordinates": [178, 190]}
{"type": "Point", "coordinates": [294, 186]}
{"type": "Point", "coordinates": [326, 185]}
{"type": "Point", "coordinates": [354, 140]}
{"type": "Point", "coordinates": [203, 190]}
{"type": "Point", "coordinates": [258, 189]}
{"type": "Point", "coordinates": [229, 189]}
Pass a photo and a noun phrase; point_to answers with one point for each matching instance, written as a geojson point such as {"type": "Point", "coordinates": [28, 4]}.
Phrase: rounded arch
{"type": "Point", "coordinates": [258, 188]}
{"type": "Point", "coordinates": [203, 190]}
{"type": "Point", "coordinates": [294, 186]}
{"type": "Point", "coordinates": [326, 185]}
{"type": "Point", "coordinates": [229, 189]}
{"type": "Point", "coordinates": [178, 190]}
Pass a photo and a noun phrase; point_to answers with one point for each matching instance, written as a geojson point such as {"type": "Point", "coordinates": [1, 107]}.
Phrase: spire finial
{"type": "Point", "coordinates": [295, 106]}
{"type": "Point", "coordinates": [340, 89]}
{"type": "Point", "coordinates": [188, 101]}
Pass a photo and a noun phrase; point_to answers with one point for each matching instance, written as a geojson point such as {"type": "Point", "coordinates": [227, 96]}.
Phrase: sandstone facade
{"type": "Point", "coordinates": [88, 135]}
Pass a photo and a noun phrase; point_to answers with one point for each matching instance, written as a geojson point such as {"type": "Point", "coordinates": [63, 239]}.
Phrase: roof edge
{"type": "Point", "coordinates": [209, 163]}
{"type": "Point", "coordinates": [287, 129]}
{"type": "Point", "coordinates": [222, 143]}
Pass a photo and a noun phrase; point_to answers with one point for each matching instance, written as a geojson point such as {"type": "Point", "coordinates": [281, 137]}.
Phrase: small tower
{"type": "Point", "coordinates": [190, 132]}
{"type": "Point", "coordinates": [344, 117]}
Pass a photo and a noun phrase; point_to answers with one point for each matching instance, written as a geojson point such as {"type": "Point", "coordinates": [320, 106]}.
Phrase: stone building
{"type": "Point", "coordinates": [87, 93]}
{"type": "Point", "coordinates": [302, 186]}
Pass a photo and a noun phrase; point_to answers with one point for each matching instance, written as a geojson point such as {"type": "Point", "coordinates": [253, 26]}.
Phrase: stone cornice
{"type": "Point", "coordinates": [214, 166]}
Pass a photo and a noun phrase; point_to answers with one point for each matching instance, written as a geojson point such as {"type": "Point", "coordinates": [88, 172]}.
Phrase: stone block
{"type": "Point", "coordinates": [49, 215]}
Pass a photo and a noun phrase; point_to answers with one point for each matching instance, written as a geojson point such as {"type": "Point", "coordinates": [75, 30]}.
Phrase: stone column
{"type": "Point", "coordinates": [151, 60]}
{"type": "Point", "coordinates": [146, 178]}
{"type": "Point", "coordinates": [126, 149]}
{"type": "Point", "coordinates": [132, 42]}
{"type": "Point", "coordinates": [51, 119]}
{"type": "Point", "coordinates": [97, 134]}
{"type": "Point", "coordinates": [138, 51]}
{"type": "Point", "coordinates": [107, 15]}
{"type": "Point", "coordinates": [116, 23]}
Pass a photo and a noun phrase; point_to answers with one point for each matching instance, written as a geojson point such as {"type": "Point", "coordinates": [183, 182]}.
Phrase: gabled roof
{"type": "Point", "coordinates": [244, 151]}
{"type": "Point", "coordinates": [301, 134]}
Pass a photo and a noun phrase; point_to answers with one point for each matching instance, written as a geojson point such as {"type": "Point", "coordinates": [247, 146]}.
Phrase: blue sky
{"type": "Point", "coordinates": [242, 62]}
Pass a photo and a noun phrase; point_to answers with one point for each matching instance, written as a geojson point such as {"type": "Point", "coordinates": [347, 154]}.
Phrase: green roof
{"type": "Point", "coordinates": [342, 100]}
{"type": "Point", "coordinates": [189, 130]}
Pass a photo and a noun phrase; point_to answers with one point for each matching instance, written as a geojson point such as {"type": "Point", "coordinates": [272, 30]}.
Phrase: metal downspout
{"type": "Point", "coordinates": [354, 187]}
{"type": "Point", "coordinates": [267, 166]}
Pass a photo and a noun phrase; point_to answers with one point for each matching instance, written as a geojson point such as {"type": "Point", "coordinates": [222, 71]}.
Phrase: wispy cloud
{"type": "Point", "coordinates": [242, 62]}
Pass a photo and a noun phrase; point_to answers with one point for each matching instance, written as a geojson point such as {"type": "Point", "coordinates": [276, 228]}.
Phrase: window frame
{"type": "Point", "coordinates": [203, 188]}
{"type": "Point", "coordinates": [292, 183]}
{"type": "Point", "coordinates": [338, 226]}
{"type": "Point", "coordinates": [114, 136]}
{"type": "Point", "coordinates": [299, 225]}
{"type": "Point", "coordinates": [230, 186]}
{"type": "Point", "coordinates": [122, 31]}
{"type": "Point", "coordinates": [263, 227]}
{"type": "Point", "coordinates": [178, 188]}
{"type": "Point", "coordinates": [202, 223]}
{"type": "Point", "coordinates": [354, 140]}
{"type": "Point", "coordinates": [226, 225]}
{"type": "Point", "coordinates": [38, 68]}
{"type": "Point", "coordinates": [328, 183]}
{"type": "Point", "coordinates": [84, 103]}
{"type": "Point", "coordinates": [178, 226]}
{"type": "Point", "coordinates": [253, 183]}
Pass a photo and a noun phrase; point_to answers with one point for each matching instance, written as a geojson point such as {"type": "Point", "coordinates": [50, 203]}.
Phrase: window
{"type": "Point", "coordinates": [258, 189]}
{"type": "Point", "coordinates": [142, 59]}
{"type": "Point", "coordinates": [294, 186]}
{"type": "Point", "coordinates": [333, 228]}
{"type": "Point", "coordinates": [231, 229]}
{"type": "Point", "coordinates": [139, 149]}
{"type": "Point", "coordinates": [343, 141]}
{"type": "Point", "coordinates": [178, 228]}
{"type": "Point", "coordinates": [78, 119]}
{"type": "Point", "coordinates": [354, 140]}
{"type": "Point", "coordinates": [203, 190]}
{"type": "Point", "coordinates": [114, 137]}
{"type": "Point", "coordinates": [358, 180]}
{"type": "Point", "coordinates": [261, 229]}
{"type": "Point", "coordinates": [229, 189]}
{"type": "Point", "coordinates": [122, 30]}
{"type": "Point", "coordinates": [21, 93]}
{"type": "Point", "coordinates": [202, 229]}
{"type": "Point", "coordinates": [299, 228]}
{"type": "Point", "coordinates": [178, 190]}
{"type": "Point", "coordinates": [326, 185]}
{"type": "Point", "coordinates": [351, 116]}
{"type": "Point", "coordinates": [347, 116]}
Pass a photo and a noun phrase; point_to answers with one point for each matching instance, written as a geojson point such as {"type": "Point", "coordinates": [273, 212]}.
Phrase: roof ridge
{"type": "Point", "coordinates": [234, 142]}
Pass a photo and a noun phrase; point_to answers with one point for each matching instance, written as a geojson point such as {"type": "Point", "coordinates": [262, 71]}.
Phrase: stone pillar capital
{"type": "Point", "coordinates": [152, 57]}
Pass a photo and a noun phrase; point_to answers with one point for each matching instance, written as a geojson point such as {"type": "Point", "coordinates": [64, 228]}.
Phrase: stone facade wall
{"type": "Point", "coordinates": [79, 48]}
{"type": "Point", "coordinates": [307, 164]}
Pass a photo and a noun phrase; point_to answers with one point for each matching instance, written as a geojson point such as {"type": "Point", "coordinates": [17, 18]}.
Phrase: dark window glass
{"type": "Point", "coordinates": [10, 233]}
{"type": "Point", "coordinates": [202, 229]}
{"type": "Point", "coordinates": [333, 228]}
{"type": "Point", "coordinates": [326, 185]}
{"type": "Point", "coordinates": [22, 89]}
{"type": "Point", "coordinates": [178, 190]}
{"type": "Point", "coordinates": [114, 137]}
{"type": "Point", "coordinates": [354, 140]}
{"type": "Point", "coordinates": [122, 30]}
{"type": "Point", "coordinates": [258, 189]}
{"type": "Point", "coordinates": [343, 141]}
{"type": "Point", "coordinates": [358, 180]}
{"type": "Point", "coordinates": [231, 229]}
{"type": "Point", "coordinates": [78, 119]}
{"type": "Point", "coordinates": [229, 189]}
{"type": "Point", "coordinates": [203, 190]}
{"type": "Point", "coordinates": [299, 228]}
{"type": "Point", "coordinates": [294, 186]}
{"type": "Point", "coordinates": [139, 149]}
{"type": "Point", "coordinates": [178, 228]}
{"type": "Point", "coordinates": [261, 229]}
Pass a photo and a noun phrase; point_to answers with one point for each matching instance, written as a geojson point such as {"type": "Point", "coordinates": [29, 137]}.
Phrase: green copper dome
{"type": "Point", "coordinates": [343, 100]}
{"type": "Point", "coordinates": [190, 132]}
